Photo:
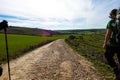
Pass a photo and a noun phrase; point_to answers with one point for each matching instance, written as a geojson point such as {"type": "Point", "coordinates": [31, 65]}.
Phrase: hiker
{"type": "Point", "coordinates": [110, 44]}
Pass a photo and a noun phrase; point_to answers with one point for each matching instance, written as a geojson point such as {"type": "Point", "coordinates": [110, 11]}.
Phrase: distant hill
{"type": "Point", "coordinates": [44, 32]}
{"type": "Point", "coordinates": [74, 31]}
{"type": "Point", "coordinates": [29, 31]}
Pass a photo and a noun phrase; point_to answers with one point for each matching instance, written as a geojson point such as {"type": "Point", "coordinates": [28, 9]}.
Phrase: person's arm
{"type": "Point", "coordinates": [107, 37]}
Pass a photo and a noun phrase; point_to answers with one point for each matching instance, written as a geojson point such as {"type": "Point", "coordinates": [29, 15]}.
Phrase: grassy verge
{"type": "Point", "coordinates": [19, 44]}
{"type": "Point", "coordinates": [90, 46]}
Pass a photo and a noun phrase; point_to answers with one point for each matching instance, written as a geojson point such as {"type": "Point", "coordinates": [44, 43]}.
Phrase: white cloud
{"type": "Point", "coordinates": [47, 8]}
{"type": "Point", "coordinates": [47, 13]}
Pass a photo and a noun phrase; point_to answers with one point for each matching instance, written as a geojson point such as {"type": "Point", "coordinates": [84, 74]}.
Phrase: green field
{"type": "Point", "coordinates": [18, 43]}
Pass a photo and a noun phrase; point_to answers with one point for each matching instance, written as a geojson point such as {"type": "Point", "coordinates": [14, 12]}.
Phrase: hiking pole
{"type": "Point", "coordinates": [7, 53]}
{"type": "Point", "coordinates": [4, 25]}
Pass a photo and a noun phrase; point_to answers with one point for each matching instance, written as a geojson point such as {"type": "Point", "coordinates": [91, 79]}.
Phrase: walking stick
{"type": "Point", "coordinates": [4, 25]}
{"type": "Point", "coordinates": [7, 53]}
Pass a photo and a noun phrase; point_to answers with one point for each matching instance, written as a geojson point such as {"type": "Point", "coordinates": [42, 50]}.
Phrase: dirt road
{"type": "Point", "coordinates": [54, 61]}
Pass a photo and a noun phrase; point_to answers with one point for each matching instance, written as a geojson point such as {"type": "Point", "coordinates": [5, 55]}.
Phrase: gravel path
{"type": "Point", "coordinates": [54, 61]}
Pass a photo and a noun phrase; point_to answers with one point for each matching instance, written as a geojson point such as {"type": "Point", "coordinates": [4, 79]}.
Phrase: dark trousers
{"type": "Point", "coordinates": [109, 55]}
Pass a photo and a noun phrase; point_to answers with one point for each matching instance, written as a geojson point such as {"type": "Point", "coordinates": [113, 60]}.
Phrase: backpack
{"type": "Point", "coordinates": [118, 26]}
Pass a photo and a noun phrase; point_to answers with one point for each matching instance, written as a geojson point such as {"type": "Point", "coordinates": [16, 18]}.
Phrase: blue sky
{"type": "Point", "coordinates": [57, 14]}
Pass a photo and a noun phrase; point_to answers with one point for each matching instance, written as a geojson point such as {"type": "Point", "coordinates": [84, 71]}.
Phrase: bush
{"type": "Point", "coordinates": [71, 37]}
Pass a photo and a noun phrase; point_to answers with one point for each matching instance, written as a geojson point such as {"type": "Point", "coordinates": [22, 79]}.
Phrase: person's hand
{"type": "Point", "coordinates": [104, 46]}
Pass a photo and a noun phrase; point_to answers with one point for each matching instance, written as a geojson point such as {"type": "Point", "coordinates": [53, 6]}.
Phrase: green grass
{"type": "Point", "coordinates": [90, 46]}
{"type": "Point", "coordinates": [17, 43]}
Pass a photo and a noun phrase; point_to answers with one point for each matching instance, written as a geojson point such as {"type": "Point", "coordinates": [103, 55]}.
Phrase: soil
{"type": "Point", "coordinates": [53, 61]}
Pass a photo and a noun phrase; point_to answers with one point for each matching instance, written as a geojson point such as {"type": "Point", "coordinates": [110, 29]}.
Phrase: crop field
{"type": "Point", "coordinates": [17, 44]}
